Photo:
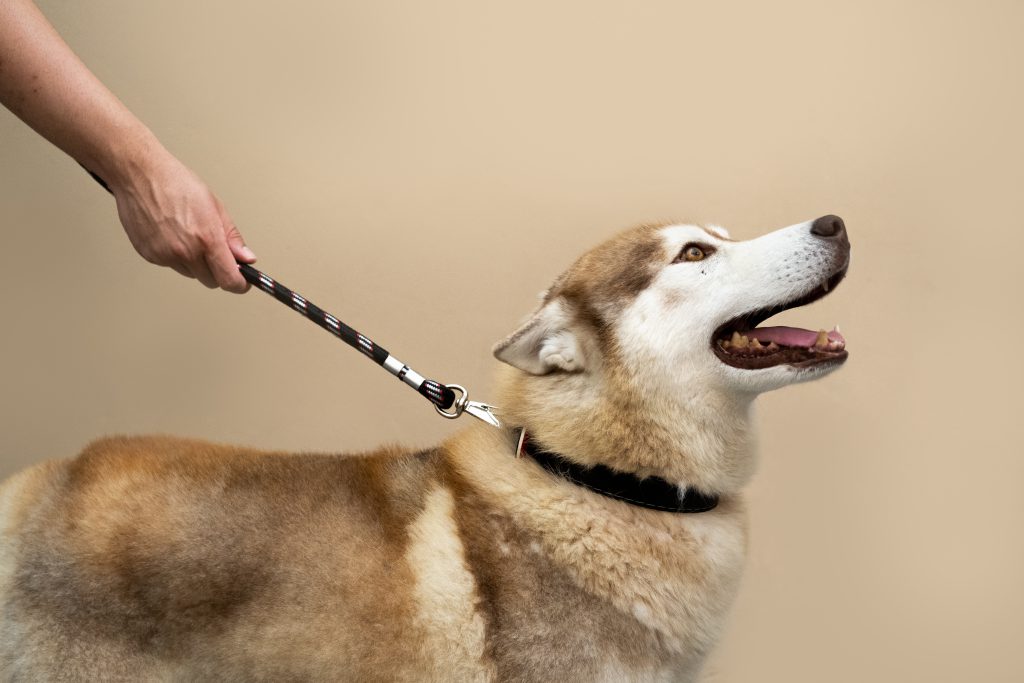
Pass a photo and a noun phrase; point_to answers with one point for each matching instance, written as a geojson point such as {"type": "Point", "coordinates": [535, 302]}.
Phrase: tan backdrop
{"type": "Point", "coordinates": [361, 144]}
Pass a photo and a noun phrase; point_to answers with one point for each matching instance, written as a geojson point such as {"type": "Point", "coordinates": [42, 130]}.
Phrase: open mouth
{"type": "Point", "coordinates": [742, 344]}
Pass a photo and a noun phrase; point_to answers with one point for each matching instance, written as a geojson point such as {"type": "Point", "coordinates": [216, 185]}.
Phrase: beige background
{"type": "Point", "coordinates": [360, 145]}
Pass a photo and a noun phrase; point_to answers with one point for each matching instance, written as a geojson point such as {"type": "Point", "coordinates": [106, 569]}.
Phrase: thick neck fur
{"type": "Point", "coordinates": [694, 438]}
{"type": "Point", "coordinates": [674, 575]}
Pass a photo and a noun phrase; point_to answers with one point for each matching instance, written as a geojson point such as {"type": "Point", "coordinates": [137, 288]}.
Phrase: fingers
{"type": "Point", "coordinates": [194, 271]}
{"type": "Point", "coordinates": [234, 238]}
{"type": "Point", "coordinates": [207, 257]}
{"type": "Point", "coordinates": [222, 264]}
{"type": "Point", "coordinates": [188, 256]}
{"type": "Point", "coordinates": [201, 271]}
{"type": "Point", "coordinates": [221, 255]}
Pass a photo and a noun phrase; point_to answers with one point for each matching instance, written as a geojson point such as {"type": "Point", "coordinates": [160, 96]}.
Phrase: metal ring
{"type": "Point", "coordinates": [458, 406]}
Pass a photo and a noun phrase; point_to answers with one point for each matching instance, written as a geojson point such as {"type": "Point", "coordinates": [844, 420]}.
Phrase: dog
{"type": "Point", "coordinates": [164, 559]}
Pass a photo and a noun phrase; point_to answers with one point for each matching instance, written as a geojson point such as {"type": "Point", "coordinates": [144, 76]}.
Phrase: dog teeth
{"type": "Point", "coordinates": [742, 344]}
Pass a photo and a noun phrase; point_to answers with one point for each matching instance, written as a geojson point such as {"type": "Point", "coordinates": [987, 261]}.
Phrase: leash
{"type": "Point", "coordinates": [450, 400]}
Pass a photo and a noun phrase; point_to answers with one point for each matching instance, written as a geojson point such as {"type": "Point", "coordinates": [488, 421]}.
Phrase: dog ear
{"type": "Point", "coordinates": [719, 231]}
{"type": "Point", "coordinates": [545, 343]}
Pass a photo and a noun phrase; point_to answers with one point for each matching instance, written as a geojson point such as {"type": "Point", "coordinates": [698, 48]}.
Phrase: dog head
{"type": "Point", "coordinates": [663, 319]}
{"type": "Point", "coordinates": [681, 302]}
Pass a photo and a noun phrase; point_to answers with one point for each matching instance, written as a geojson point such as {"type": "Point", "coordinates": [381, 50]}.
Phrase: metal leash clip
{"type": "Point", "coordinates": [462, 404]}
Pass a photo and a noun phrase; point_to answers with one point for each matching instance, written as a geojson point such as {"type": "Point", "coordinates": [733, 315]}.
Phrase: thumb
{"type": "Point", "coordinates": [237, 245]}
{"type": "Point", "coordinates": [233, 237]}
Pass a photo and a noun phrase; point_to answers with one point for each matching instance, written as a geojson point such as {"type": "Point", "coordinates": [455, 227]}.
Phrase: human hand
{"type": "Point", "coordinates": [174, 220]}
{"type": "Point", "coordinates": [170, 215]}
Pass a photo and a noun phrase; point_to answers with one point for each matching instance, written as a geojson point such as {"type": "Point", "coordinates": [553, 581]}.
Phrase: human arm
{"type": "Point", "coordinates": [170, 215]}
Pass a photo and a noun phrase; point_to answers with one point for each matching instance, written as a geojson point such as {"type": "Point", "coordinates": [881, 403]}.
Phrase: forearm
{"type": "Point", "coordinates": [45, 84]}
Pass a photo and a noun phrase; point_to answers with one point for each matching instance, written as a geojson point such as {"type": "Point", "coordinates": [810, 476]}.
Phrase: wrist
{"type": "Point", "coordinates": [129, 157]}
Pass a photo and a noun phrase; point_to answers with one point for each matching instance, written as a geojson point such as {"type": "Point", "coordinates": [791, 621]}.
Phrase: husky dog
{"type": "Point", "coordinates": [163, 559]}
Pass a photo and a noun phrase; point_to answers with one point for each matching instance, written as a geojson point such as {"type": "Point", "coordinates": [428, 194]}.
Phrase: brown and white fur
{"type": "Point", "coordinates": [164, 559]}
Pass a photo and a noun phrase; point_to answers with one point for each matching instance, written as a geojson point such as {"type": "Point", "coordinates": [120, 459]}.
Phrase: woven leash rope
{"type": "Point", "coordinates": [439, 394]}
{"type": "Point", "coordinates": [443, 396]}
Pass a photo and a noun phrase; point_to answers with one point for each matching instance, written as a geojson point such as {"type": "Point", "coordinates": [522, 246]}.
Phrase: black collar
{"type": "Point", "coordinates": [653, 492]}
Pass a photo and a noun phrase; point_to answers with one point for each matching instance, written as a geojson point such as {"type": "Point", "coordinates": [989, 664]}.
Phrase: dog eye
{"type": "Point", "coordinates": [693, 252]}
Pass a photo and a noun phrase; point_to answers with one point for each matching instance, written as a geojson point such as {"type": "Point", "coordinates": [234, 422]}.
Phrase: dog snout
{"type": "Point", "coordinates": [829, 227]}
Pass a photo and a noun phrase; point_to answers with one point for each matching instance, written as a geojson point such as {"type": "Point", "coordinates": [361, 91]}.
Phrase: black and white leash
{"type": "Point", "coordinates": [450, 400]}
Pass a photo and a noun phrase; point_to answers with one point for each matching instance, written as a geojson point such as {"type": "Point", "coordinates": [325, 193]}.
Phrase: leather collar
{"type": "Point", "coordinates": [651, 492]}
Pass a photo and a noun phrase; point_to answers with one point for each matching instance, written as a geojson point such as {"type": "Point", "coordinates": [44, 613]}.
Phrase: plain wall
{"type": "Point", "coordinates": [422, 170]}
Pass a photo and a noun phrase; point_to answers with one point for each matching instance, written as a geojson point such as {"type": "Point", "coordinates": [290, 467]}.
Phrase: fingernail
{"type": "Point", "coordinates": [247, 253]}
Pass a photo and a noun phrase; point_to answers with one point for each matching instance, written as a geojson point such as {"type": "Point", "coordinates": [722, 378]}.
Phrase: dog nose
{"type": "Point", "coordinates": [829, 227]}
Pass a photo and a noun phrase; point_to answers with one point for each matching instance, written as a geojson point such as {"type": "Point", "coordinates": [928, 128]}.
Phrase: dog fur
{"type": "Point", "coordinates": [164, 559]}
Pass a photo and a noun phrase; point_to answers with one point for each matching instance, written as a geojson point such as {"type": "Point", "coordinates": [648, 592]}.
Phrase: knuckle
{"type": "Point", "coordinates": [228, 281]}
{"type": "Point", "coordinates": [205, 240]}
{"type": "Point", "coordinates": [162, 256]}
{"type": "Point", "coordinates": [182, 253]}
{"type": "Point", "coordinates": [238, 286]}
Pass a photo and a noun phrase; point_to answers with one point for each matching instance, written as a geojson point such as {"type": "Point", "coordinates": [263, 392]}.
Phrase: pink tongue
{"type": "Point", "coordinates": [790, 336]}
